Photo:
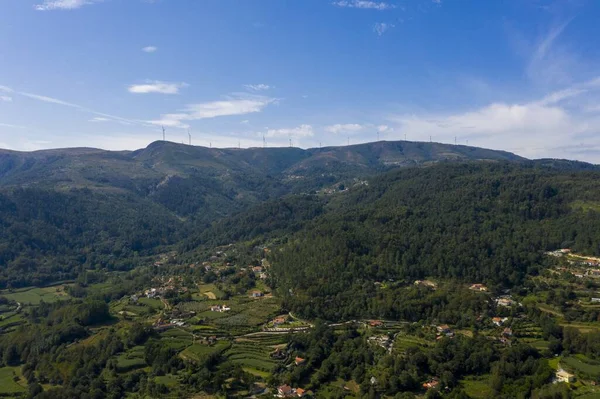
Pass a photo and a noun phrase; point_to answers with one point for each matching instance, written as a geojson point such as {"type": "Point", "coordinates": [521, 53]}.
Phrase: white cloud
{"type": "Point", "coordinates": [258, 87]}
{"type": "Point", "coordinates": [364, 4]}
{"type": "Point", "coordinates": [549, 127]}
{"type": "Point", "coordinates": [344, 128]}
{"type": "Point", "coordinates": [157, 87]}
{"type": "Point", "coordinates": [381, 27]}
{"type": "Point", "coordinates": [245, 122]}
{"type": "Point", "coordinates": [48, 5]}
{"type": "Point", "coordinates": [296, 132]}
{"type": "Point", "coordinates": [99, 119]}
{"type": "Point", "coordinates": [6, 89]}
{"type": "Point", "coordinates": [6, 99]}
{"type": "Point", "coordinates": [149, 49]}
{"type": "Point", "coordinates": [232, 105]}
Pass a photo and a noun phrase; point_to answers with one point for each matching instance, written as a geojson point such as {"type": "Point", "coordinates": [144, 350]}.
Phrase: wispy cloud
{"type": "Point", "coordinates": [550, 62]}
{"type": "Point", "coordinates": [237, 104]}
{"type": "Point", "coordinates": [99, 119]}
{"type": "Point", "coordinates": [157, 87]}
{"type": "Point", "coordinates": [52, 100]}
{"type": "Point", "coordinates": [149, 49]}
{"type": "Point", "coordinates": [12, 126]}
{"type": "Point", "coordinates": [49, 5]}
{"type": "Point", "coordinates": [381, 27]}
{"type": "Point", "coordinates": [364, 4]}
{"type": "Point", "coordinates": [344, 128]}
{"type": "Point", "coordinates": [295, 132]}
{"type": "Point", "coordinates": [258, 87]}
{"type": "Point", "coordinates": [6, 99]}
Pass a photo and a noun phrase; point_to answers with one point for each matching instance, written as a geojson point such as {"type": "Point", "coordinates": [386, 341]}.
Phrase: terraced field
{"type": "Point", "coordinates": [132, 359]}
{"type": "Point", "coordinates": [199, 351]}
{"type": "Point", "coordinates": [253, 353]}
{"type": "Point", "coordinates": [582, 366]}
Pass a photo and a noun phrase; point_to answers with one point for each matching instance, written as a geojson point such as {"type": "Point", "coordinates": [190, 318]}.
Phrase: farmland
{"type": "Point", "coordinates": [11, 382]}
{"type": "Point", "coordinates": [33, 296]}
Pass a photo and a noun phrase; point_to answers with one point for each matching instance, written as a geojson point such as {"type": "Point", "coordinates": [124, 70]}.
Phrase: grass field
{"type": "Point", "coordinates": [132, 359]}
{"type": "Point", "coordinates": [477, 387]}
{"type": "Point", "coordinates": [581, 365]}
{"type": "Point", "coordinates": [34, 295]}
{"type": "Point", "coordinates": [198, 351]}
{"type": "Point", "coordinates": [254, 354]}
{"type": "Point", "coordinates": [155, 304]}
{"type": "Point", "coordinates": [8, 386]}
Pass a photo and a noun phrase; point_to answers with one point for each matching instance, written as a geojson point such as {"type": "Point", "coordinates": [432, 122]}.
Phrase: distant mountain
{"type": "Point", "coordinates": [212, 182]}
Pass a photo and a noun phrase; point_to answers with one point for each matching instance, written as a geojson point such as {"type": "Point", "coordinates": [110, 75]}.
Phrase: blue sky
{"type": "Point", "coordinates": [518, 75]}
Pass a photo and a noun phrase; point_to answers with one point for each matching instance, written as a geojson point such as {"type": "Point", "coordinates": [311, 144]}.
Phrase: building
{"type": "Point", "coordinates": [505, 301]}
{"type": "Point", "coordinates": [219, 308]}
{"type": "Point", "coordinates": [426, 283]}
{"type": "Point", "coordinates": [431, 384]}
{"type": "Point", "coordinates": [256, 294]}
{"type": "Point", "coordinates": [564, 376]}
{"type": "Point", "coordinates": [444, 329]}
{"type": "Point", "coordinates": [478, 287]}
{"type": "Point", "coordinates": [300, 392]}
{"type": "Point", "coordinates": [375, 323]}
{"type": "Point", "coordinates": [595, 300]}
{"type": "Point", "coordinates": [279, 320]}
{"type": "Point", "coordinates": [299, 361]}
{"type": "Point", "coordinates": [507, 332]}
{"type": "Point", "coordinates": [498, 321]}
{"type": "Point", "coordinates": [284, 391]}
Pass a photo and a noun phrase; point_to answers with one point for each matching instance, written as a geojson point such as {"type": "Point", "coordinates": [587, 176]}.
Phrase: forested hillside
{"type": "Point", "coordinates": [471, 222]}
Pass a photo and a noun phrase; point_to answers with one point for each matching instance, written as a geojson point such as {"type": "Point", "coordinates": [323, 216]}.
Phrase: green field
{"type": "Point", "coordinates": [253, 354]}
{"type": "Point", "coordinates": [155, 304]}
{"type": "Point", "coordinates": [132, 359]}
{"type": "Point", "coordinates": [477, 387]}
{"type": "Point", "coordinates": [198, 351]}
{"type": "Point", "coordinates": [581, 366]}
{"type": "Point", "coordinates": [34, 295]}
{"type": "Point", "coordinates": [8, 386]}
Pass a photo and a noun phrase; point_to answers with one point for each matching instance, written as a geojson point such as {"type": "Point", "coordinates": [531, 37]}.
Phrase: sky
{"type": "Point", "coordinates": [515, 75]}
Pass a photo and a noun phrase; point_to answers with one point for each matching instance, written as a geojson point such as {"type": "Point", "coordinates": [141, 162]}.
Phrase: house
{"type": "Point", "coordinates": [279, 320]}
{"type": "Point", "coordinates": [257, 294]}
{"type": "Point", "coordinates": [444, 329]}
{"type": "Point", "coordinates": [134, 298]}
{"type": "Point", "coordinates": [375, 323]}
{"type": "Point", "coordinates": [505, 301]}
{"type": "Point", "coordinates": [478, 287]}
{"type": "Point", "coordinates": [218, 308]}
{"type": "Point", "coordinates": [507, 332]}
{"type": "Point", "coordinates": [257, 269]}
{"type": "Point", "coordinates": [498, 321]}
{"type": "Point", "coordinates": [299, 361]}
{"type": "Point", "coordinates": [373, 380]}
{"type": "Point", "coordinates": [564, 376]}
{"type": "Point", "coordinates": [595, 300]}
{"type": "Point", "coordinates": [300, 392]}
{"type": "Point", "coordinates": [426, 283]}
{"type": "Point", "coordinates": [431, 384]}
{"type": "Point", "coordinates": [262, 276]}
{"type": "Point", "coordinates": [284, 391]}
